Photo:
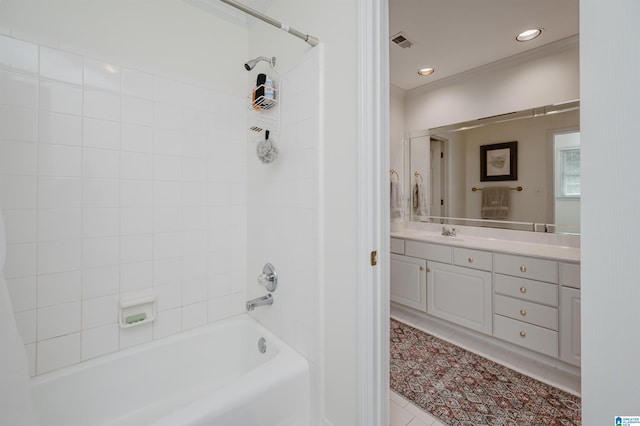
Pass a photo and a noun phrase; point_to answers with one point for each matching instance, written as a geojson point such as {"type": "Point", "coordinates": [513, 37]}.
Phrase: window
{"type": "Point", "coordinates": [569, 162]}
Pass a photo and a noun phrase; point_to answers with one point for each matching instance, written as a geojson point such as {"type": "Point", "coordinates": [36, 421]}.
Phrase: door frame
{"type": "Point", "coordinates": [442, 178]}
{"type": "Point", "coordinates": [373, 212]}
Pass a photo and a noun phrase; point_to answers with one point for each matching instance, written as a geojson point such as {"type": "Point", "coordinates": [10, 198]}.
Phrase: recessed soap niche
{"type": "Point", "coordinates": [136, 311]}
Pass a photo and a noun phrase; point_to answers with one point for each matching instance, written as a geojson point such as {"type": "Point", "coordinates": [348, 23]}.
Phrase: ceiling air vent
{"type": "Point", "coordinates": [402, 40]}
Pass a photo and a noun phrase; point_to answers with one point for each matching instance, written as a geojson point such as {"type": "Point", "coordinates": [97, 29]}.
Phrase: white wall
{"type": "Point", "coordinates": [334, 23]}
{"type": "Point", "coordinates": [550, 76]}
{"type": "Point", "coordinates": [611, 230]}
{"type": "Point", "coordinates": [117, 178]}
{"type": "Point", "coordinates": [535, 164]}
{"type": "Point", "coordinates": [166, 35]}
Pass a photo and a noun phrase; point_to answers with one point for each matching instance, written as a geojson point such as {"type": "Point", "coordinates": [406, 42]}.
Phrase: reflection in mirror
{"type": "Point", "coordinates": [543, 197]}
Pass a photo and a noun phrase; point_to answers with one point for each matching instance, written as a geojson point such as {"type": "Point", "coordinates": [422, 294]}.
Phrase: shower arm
{"type": "Point", "coordinates": [306, 37]}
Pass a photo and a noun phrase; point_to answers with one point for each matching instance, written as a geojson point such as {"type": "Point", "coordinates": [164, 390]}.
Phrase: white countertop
{"type": "Point", "coordinates": [552, 249]}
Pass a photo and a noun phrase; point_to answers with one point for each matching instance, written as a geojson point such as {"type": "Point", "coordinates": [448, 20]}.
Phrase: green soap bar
{"type": "Point", "coordinates": [135, 318]}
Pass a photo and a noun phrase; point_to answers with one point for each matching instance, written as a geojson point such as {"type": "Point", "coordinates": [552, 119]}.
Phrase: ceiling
{"type": "Point", "coordinates": [453, 36]}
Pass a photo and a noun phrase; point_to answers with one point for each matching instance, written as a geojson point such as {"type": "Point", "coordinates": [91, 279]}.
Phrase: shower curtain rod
{"type": "Point", "coordinates": [306, 37]}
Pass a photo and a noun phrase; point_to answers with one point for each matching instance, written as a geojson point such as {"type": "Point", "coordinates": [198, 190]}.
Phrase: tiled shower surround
{"type": "Point", "coordinates": [116, 182]}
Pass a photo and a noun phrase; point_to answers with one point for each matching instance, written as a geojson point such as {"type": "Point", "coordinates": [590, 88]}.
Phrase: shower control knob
{"type": "Point", "coordinates": [268, 278]}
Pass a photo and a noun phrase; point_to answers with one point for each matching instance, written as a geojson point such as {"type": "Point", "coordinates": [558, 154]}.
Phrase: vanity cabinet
{"type": "Point", "coordinates": [459, 294]}
{"type": "Point", "coordinates": [428, 251]}
{"type": "Point", "coordinates": [409, 281]}
{"type": "Point", "coordinates": [570, 318]}
{"type": "Point", "coordinates": [526, 302]}
{"type": "Point", "coordinates": [409, 270]}
{"type": "Point", "coordinates": [531, 302]}
{"type": "Point", "coordinates": [396, 245]}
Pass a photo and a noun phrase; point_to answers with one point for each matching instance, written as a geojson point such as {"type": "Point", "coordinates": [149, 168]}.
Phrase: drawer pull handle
{"type": "Point", "coordinates": [523, 334]}
{"type": "Point", "coordinates": [470, 260]}
{"type": "Point", "coordinates": [523, 289]}
{"type": "Point", "coordinates": [422, 268]}
{"type": "Point", "coordinates": [523, 268]}
{"type": "Point", "coordinates": [523, 312]}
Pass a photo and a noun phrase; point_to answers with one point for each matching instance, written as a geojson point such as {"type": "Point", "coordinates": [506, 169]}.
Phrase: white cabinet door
{"type": "Point", "coordinates": [409, 281]}
{"type": "Point", "coordinates": [570, 325]}
{"type": "Point", "coordinates": [460, 295]}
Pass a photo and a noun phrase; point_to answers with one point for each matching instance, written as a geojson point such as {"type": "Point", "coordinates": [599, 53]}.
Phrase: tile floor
{"type": "Point", "coordinates": [403, 413]}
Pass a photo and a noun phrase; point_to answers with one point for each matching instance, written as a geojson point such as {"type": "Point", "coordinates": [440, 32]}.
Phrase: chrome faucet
{"type": "Point", "coordinates": [269, 280]}
{"type": "Point", "coordinates": [259, 301]}
{"type": "Point", "coordinates": [449, 232]}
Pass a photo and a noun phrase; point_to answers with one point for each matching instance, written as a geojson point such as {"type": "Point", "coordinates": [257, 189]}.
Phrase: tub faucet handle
{"type": "Point", "coordinates": [268, 278]}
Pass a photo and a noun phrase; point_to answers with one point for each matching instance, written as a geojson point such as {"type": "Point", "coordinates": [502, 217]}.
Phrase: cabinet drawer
{"type": "Point", "coordinates": [526, 335]}
{"type": "Point", "coordinates": [527, 267]}
{"type": "Point", "coordinates": [570, 274]}
{"type": "Point", "coordinates": [475, 259]}
{"type": "Point", "coordinates": [529, 290]}
{"type": "Point", "coordinates": [543, 316]}
{"type": "Point", "coordinates": [397, 246]}
{"type": "Point", "coordinates": [428, 251]}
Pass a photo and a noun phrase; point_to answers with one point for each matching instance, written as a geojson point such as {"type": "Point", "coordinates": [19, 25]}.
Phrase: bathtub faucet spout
{"type": "Point", "coordinates": [260, 301]}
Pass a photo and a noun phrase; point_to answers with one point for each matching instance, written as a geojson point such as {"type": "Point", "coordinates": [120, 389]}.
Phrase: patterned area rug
{"type": "Point", "coordinates": [462, 388]}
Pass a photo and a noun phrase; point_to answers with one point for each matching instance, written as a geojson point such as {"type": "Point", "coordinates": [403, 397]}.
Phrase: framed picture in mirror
{"type": "Point", "coordinates": [499, 161]}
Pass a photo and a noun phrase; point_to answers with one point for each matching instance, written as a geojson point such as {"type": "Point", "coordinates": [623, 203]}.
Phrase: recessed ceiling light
{"type": "Point", "coordinates": [529, 34]}
{"type": "Point", "coordinates": [426, 71]}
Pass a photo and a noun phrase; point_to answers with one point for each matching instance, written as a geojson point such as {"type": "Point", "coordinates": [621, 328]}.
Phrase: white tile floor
{"type": "Point", "coordinates": [403, 413]}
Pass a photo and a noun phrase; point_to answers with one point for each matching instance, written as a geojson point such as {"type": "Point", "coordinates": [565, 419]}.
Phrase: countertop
{"type": "Point", "coordinates": [498, 245]}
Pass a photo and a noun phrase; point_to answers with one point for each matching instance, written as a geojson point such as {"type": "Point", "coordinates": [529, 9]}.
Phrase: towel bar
{"type": "Point", "coordinates": [517, 188]}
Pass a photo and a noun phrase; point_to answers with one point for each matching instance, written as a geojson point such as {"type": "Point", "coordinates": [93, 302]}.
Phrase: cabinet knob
{"type": "Point", "coordinates": [523, 334]}
{"type": "Point", "coordinates": [470, 260]}
{"type": "Point", "coordinates": [428, 269]}
{"type": "Point", "coordinates": [523, 289]}
{"type": "Point", "coordinates": [421, 268]}
{"type": "Point", "coordinates": [523, 268]}
{"type": "Point", "coordinates": [523, 312]}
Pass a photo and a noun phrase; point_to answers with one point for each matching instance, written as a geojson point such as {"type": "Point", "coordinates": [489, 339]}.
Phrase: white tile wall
{"type": "Point", "coordinates": [116, 181]}
{"type": "Point", "coordinates": [18, 56]}
{"type": "Point", "coordinates": [283, 213]}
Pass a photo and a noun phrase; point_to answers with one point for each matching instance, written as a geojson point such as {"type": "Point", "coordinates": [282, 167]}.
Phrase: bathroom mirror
{"type": "Point", "coordinates": [543, 197]}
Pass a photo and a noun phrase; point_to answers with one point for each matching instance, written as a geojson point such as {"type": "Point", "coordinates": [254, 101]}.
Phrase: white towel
{"type": "Point", "coordinates": [396, 200]}
{"type": "Point", "coordinates": [495, 202]}
{"type": "Point", "coordinates": [419, 200]}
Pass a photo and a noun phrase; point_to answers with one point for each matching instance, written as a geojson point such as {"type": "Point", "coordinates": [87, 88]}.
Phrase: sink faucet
{"type": "Point", "coordinates": [259, 301]}
{"type": "Point", "coordinates": [449, 232]}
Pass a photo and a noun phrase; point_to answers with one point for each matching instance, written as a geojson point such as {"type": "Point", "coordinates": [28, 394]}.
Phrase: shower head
{"type": "Point", "coordinates": [250, 64]}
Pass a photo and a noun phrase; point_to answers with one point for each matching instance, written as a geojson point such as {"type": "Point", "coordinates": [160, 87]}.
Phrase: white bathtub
{"type": "Point", "coordinates": [214, 375]}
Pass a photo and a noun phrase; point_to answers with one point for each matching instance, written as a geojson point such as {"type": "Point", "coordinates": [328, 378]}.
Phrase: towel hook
{"type": "Point", "coordinates": [418, 175]}
{"type": "Point", "coordinates": [393, 172]}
